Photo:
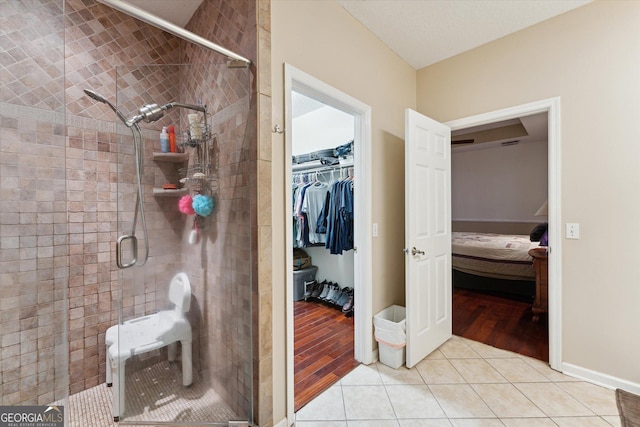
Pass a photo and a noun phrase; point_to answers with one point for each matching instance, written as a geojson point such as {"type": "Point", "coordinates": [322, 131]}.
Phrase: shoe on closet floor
{"type": "Point", "coordinates": [344, 296]}
{"type": "Point", "coordinates": [325, 290]}
{"type": "Point", "coordinates": [315, 293]}
{"type": "Point", "coordinates": [348, 306]}
{"type": "Point", "coordinates": [333, 299]}
{"type": "Point", "coordinates": [317, 289]}
{"type": "Point", "coordinates": [332, 292]}
{"type": "Point", "coordinates": [336, 297]}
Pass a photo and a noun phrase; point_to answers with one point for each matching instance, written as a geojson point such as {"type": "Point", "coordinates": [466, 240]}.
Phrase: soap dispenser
{"type": "Point", "coordinates": [164, 140]}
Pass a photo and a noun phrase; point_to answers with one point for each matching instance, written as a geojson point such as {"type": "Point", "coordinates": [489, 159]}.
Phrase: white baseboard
{"type": "Point", "coordinates": [599, 378]}
{"type": "Point", "coordinates": [282, 423]}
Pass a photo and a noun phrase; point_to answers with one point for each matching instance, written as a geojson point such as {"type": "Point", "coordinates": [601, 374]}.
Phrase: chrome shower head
{"type": "Point", "coordinates": [153, 112]}
{"type": "Point", "coordinates": [149, 113]}
{"type": "Point", "coordinates": [97, 97]}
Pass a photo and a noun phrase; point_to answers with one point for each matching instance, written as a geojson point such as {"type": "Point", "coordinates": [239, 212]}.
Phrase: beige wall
{"type": "Point", "coordinates": [322, 39]}
{"type": "Point", "coordinates": [499, 183]}
{"type": "Point", "coordinates": [589, 57]}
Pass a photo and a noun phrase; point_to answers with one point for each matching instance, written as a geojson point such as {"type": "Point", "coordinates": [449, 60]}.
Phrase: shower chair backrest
{"type": "Point", "coordinates": [180, 293]}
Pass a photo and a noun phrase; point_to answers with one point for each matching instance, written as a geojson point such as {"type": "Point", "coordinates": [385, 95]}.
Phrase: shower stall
{"type": "Point", "coordinates": [210, 161]}
{"type": "Point", "coordinates": [96, 221]}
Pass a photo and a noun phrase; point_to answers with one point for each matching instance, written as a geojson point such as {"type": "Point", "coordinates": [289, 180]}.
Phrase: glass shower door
{"type": "Point", "coordinates": [181, 350]}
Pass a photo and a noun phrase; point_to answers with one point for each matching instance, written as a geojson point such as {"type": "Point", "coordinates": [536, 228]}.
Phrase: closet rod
{"type": "Point", "coordinates": [322, 168]}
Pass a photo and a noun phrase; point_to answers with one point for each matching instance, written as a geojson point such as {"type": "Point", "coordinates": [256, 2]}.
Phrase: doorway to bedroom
{"type": "Point", "coordinates": [500, 181]}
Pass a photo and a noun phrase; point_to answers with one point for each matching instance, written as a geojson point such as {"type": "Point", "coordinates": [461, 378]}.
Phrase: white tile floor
{"type": "Point", "coordinates": [462, 384]}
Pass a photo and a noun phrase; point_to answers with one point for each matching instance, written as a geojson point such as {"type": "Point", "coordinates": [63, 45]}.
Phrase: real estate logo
{"type": "Point", "coordinates": [32, 416]}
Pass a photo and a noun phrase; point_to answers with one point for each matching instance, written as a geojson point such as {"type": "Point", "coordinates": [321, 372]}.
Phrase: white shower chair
{"type": "Point", "coordinates": [148, 333]}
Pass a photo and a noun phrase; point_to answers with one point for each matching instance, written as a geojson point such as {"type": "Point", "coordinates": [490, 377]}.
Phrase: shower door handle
{"type": "Point", "coordinates": [134, 251]}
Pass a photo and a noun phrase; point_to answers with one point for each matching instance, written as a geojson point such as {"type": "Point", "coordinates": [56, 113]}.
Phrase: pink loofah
{"type": "Point", "coordinates": [186, 205]}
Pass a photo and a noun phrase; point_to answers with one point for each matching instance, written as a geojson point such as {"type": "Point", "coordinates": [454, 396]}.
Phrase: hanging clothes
{"type": "Point", "coordinates": [301, 222]}
{"type": "Point", "coordinates": [312, 205]}
{"type": "Point", "coordinates": [323, 213]}
{"type": "Point", "coordinates": [321, 224]}
{"type": "Point", "coordinates": [340, 217]}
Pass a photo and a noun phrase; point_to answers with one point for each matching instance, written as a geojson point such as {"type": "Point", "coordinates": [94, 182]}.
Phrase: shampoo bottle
{"type": "Point", "coordinates": [164, 140]}
{"type": "Point", "coordinates": [172, 140]}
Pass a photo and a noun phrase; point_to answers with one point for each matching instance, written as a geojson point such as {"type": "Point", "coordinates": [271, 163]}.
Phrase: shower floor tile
{"type": "Point", "coordinates": [154, 394]}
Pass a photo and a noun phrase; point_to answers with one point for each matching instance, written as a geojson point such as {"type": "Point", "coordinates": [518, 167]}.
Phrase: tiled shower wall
{"type": "Point", "coordinates": [33, 210]}
{"type": "Point", "coordinates": [61, 196]}
{"type": "Point", "coordinates": [225, 279]}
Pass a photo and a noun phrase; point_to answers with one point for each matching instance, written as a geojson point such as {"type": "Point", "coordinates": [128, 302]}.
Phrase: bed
{"type": "Point", "coordinates": [493, 262]}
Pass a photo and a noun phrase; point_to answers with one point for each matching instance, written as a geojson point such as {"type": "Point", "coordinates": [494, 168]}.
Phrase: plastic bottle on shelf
{"type": "Point", "coordinates": [164, 140]}
{"type": "Point", "coordinates": [172, 139]}
{"type": "Point", "coordinates": [195, 126]}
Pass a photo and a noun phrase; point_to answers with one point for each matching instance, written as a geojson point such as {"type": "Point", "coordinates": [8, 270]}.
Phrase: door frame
{"type": "Point", "coordinates": [552, 107]}
{"type": "Point", "coordinates": [301, 82]}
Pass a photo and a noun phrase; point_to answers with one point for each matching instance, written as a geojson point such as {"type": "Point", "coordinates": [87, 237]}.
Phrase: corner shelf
{"type": "Point", "coordinates": [161, 192]}
{"type": "Point", "coordinates": [171, 157]}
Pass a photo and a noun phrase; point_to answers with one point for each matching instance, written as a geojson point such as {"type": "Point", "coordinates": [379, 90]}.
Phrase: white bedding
{"type": "Point", "coordinates": [501, 256]}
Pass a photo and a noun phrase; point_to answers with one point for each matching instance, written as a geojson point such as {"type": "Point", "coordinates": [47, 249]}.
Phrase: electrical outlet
{"type": "Point", "coordinates": [375, 229]}
{"type": "Point", "coordinates": [573, 231]}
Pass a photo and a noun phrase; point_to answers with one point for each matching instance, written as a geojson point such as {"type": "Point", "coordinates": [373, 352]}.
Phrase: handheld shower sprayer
{"type": "Point", "coordinates": [139, 209]}
{"type": "Point", "coordinates": [97, 97]}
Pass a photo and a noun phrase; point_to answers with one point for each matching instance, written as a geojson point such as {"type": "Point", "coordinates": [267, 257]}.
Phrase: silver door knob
{"type": "Point", "coordinates": [415, 251]}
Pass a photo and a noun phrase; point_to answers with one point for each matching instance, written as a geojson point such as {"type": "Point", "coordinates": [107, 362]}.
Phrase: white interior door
{"type": "Point", "coordinates": [428, 235]}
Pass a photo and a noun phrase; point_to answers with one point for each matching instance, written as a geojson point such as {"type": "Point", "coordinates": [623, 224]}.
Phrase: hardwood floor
{"type": "Point", "coordinates": [323, 349]}
{"type": "Point", "coordinates": [500, 322]}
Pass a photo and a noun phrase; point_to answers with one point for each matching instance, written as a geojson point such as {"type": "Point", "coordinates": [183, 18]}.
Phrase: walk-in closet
{"type": "Point", "coordinates": [322, 221]}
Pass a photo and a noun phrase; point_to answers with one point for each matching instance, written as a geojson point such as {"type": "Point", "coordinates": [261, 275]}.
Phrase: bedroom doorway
{"type": "Point", "coordinates": [485, 140]}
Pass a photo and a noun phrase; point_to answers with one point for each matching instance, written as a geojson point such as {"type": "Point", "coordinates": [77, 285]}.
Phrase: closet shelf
{"type": "Point", "coordinates": [171, 157]}
{"type": "Point", "coordinates": [160, 192]}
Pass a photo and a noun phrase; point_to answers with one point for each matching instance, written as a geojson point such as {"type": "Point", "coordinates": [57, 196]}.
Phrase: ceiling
{"type": "Point", "coordinates": [177, 12]}
{"type": "Point", "coordinates": [522, 130]}
{"type": "Point", "coordinates": [302, 104]}
{"type": "Point", "coordinates": [428, 31]}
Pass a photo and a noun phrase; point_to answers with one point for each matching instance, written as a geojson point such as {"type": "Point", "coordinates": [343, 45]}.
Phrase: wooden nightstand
{"type": "Point", "coordinates": [540, 262]}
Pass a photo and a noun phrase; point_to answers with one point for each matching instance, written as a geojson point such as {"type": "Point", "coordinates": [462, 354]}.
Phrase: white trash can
{"type": "Point", "coordinates": [390, 333]}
